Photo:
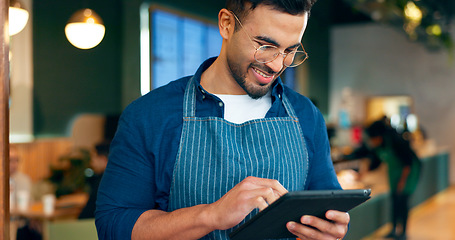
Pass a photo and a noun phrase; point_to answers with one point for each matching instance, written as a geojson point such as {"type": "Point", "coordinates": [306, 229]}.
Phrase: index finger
{"type": "Point", "coordinates": [269, 183]}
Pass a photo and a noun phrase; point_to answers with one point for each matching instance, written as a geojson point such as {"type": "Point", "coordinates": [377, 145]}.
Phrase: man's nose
{"type": "Point", "coordinates": [277, 64]}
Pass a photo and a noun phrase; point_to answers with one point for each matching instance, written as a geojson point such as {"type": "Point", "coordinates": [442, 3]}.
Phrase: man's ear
{"type": "Point", "coordinates": [226, 23]}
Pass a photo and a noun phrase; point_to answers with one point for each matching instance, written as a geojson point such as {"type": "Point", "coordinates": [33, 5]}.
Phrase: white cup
{"type": "Point", "coordinates": [23, 200]}
{"type": "Point", "coordinates": [48, 203]}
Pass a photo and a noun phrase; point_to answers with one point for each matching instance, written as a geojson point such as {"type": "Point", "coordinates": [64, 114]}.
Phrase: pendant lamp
{"type": "Point", "coordinates": [85, 29]}
{"type": "Point", "coordinates": [18, 17]}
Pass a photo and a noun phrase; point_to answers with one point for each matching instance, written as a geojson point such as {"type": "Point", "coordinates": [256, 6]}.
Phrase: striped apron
{"type": "Point", "coordinates": [214, 155]}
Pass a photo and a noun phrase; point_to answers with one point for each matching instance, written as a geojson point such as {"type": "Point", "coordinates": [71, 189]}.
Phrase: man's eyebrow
{"type": "Point", "coordinates": [268, 40]}
{"type": "Point", "coordinates": [273, 42]}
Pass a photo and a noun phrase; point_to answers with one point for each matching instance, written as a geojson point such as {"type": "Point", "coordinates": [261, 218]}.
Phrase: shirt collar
{"type": "Point", "coordinates": [277, 86]}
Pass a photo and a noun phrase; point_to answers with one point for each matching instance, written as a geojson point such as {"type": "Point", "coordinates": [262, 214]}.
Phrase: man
{"type": "Point", "coordinates": [186, 161]}
{"type": "Point", "coordinates": [98, 164]}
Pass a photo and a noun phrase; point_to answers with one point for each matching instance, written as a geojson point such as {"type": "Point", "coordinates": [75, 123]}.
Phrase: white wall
{"type": "Point", "coordinates": [374, 59]}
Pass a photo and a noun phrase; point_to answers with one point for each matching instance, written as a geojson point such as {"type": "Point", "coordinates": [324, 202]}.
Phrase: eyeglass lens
{"type": "Point", "coordinates": [266, 54]}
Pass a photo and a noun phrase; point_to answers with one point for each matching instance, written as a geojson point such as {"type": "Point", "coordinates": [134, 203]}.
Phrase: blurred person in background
{"type": "Point", "coordinates": [18, 180]}
{"type": "Point", "coordinates": [386, 144]}
{"type": "Point", "coordinates": [98, 164]}
{"type": "Point", "coordinates": [21, 184]}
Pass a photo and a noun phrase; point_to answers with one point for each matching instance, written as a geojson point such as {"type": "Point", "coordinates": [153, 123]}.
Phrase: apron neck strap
{"type": "Point", "coordinates": [288, 106]}
{"type": "Point", "coordinates": [189, 99]}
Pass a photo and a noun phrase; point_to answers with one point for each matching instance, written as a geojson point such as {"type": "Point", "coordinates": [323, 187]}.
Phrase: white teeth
{"type": "Point", "coordinates": [261, 73]}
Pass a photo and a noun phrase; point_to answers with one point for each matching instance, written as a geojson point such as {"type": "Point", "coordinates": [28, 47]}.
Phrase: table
{"type": "Point", "coordinates": [66, 207]}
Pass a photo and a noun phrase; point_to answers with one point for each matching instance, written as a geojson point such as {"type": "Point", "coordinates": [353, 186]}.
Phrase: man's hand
{"type": "Point", "coordinates": [249, 194]}
{"type": "Point", "coordinates": [197, 221]}
{"type": "Point", "coordinates": [322, 229]}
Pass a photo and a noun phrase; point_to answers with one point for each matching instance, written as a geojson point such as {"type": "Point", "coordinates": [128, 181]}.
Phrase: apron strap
{"type": "Point", "coordinates": [288, 107]}
{"type": "Point", "coordinates": [189, 99]}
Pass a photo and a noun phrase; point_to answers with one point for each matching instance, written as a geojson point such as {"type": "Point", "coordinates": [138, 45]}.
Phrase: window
{"type": "Point", "coordinates": [179, 44]}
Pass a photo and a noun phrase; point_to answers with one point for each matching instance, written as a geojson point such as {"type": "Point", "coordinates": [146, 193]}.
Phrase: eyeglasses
{"type": "Point", "coordinates": [268, 53]}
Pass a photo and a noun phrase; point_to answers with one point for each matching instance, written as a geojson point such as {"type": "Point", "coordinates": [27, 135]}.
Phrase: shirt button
{"type": "Point", "coordinates": [220, 104]}
{"type": "Point", "coordinates": [203, 96]}
{"type": "Point", "coordinates": [279, 96]}
{"type": "Point", "coordinates": [202, 91]}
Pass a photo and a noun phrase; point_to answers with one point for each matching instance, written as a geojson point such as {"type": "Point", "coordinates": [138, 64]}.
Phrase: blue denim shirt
{"type": "Point", "coordinates": [142, 156]}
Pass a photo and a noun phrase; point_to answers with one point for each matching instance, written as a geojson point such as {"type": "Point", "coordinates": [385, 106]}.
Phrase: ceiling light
{"type": "Point", "coordinates": [85, 29]}
{"type": "Point", "coordinates": [18, 17]}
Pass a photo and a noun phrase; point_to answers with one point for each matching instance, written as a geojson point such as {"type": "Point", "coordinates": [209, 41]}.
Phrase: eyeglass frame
{"type": "Point", "coordinates": [271, 46]}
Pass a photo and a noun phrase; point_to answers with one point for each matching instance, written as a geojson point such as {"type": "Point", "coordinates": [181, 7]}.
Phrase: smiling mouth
{"type": "Point", "coordinates": [263, 74]}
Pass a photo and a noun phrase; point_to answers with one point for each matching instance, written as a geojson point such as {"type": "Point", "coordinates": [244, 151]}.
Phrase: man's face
{"type": "Point", "coordinates": [266, 27]}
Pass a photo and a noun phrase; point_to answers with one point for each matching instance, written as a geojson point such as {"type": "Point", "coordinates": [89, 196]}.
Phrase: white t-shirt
{"type": "Point", "coordinates": [241, 108]}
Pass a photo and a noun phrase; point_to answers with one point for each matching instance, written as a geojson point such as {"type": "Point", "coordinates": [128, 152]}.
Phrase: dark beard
{"type": "Point", "coordinates": [254, 92]}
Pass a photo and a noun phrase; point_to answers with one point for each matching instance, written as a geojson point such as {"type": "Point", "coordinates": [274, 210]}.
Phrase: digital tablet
{"type": "Point", "coordinates": [270, 223]}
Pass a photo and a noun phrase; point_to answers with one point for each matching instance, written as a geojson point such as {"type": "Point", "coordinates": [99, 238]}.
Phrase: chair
{"type": "Point", "coordinates": [71, 230]}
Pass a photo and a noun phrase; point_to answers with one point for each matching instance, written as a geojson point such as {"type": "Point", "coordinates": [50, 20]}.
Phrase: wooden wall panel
{"type": "Point", "coordinates": [37, 156]}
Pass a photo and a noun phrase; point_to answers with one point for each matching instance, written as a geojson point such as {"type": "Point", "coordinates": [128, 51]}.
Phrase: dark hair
{"type": "Point", "coordinates": [293, 7]}
{"type": "Point", "coordinates": [376, 129]}
{"type": "Point", "coordinates": [400, 146]}
{"type": "Point", "coordinates": [103, 148]}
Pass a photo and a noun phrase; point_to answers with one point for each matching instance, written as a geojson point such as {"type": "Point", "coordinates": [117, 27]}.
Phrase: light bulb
{"type": "Point", "coordinates": [18, 18]}
{"type": "Point", "coordinates": [85, 29]}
